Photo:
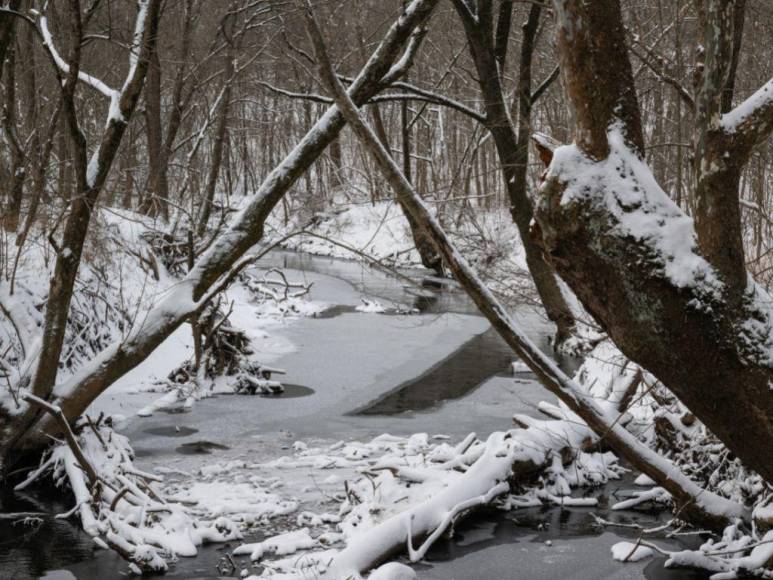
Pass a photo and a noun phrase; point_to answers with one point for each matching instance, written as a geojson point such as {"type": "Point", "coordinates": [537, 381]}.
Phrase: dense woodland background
{"type": "Point", "coordinates": [222, 106]}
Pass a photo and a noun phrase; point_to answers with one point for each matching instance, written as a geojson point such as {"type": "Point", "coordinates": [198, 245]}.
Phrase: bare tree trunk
{"type": "Point", "coordinates": [7, 30]}
{"type": "Point", "coordinates": [336, 160]}
{"type": "Point", "coordinates": [14, 194]}
{"type": "Point", "coordinates": [718, 174]}
{"type": "Point", "coordinates": [429, 258]}
{"type": "Point", "coordinates": [219, 143]}
{"type": "Point", "coordinates": [154, 201]}
{"type": "Point", "coordinates": [160, 142]}
{"type": "Point", "coordinates": [513, 155]}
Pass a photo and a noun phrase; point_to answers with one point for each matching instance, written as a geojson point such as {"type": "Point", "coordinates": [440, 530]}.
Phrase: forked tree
{"type": "Point", "coordinates": [675, 298]}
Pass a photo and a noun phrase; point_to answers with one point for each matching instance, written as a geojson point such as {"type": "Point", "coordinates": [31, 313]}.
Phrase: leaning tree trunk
{"type": "Point", "coordinates": [701, 506]}
{"type": "Point", "coordinates": [629, 254]}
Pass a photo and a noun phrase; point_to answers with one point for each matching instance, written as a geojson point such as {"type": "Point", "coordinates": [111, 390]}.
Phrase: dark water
{"type": "Point", "coordinates": [336, 310]}
{"type": "Point", "coordinates": [488, 545]}
{"type": "Point", "coordinates": [290, 392]}
{"type": "Point", "coordinates": [199, 447]}
{"type": "Point", "coordinates": [554, 543]}
{"type": "Point", "coordinates": [28, 549]}
{"type": "Point", "coordinates": [172, 431]}
{"type": "Point", "coordinates": [484, 356]}
{"type": "Point", "coordinates": [530, 544]}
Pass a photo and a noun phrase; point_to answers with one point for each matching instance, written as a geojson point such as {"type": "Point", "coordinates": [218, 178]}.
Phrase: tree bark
{"type": "Point", "coordinates": [154, 201]}
{"type": "Point", "coordinates": [717, 166]}
{"type": "Point", "coordinates": [697, 343]}
{"type": "Point", "coordinates": [7, 30]}
{"type": "Point", "coordinates": [13, 196]}
{"type": "Point", "coordinates": [160, 141]}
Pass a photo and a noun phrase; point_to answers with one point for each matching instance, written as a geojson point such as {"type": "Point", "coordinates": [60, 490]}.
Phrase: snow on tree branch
{"type": "Point", "coordinates": [754, 116]}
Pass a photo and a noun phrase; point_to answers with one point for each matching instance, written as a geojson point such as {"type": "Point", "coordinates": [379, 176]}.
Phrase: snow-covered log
{"type": "Point", "coordinates": [409, 492]}
{"type": "Point", "coordinates": [122, 507]}
{"type": "Point", "coordinates": [485, 480]}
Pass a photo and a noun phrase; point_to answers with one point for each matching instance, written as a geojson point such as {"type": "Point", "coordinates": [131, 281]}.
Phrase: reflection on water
{"type": "Point", "coordinates": [29, 547]}
{"type": "Point", "coordinates": [374, 282]}
{"type": "Point", "coordinates": [485, 356]}
{"type": "Point", "coordinates": [545, 544]}
{"type": "Point", "coordinates": [290, 392]}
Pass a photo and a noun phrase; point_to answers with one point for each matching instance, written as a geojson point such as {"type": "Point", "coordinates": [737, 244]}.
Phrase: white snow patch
{"type": "Point", "coordinates": [393, 571]}
{"type": "Point", "coordinates": [762, 97]}
{"type": "Point", "coordinates": [628, 552]}
{"type": "Point", "coordinates": [644, 480]}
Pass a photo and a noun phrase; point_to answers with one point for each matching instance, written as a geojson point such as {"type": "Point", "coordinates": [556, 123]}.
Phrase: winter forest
{"type": "Point", "coordinates": [397, 290]}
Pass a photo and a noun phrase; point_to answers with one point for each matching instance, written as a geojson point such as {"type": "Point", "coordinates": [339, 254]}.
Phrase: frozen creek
{"type": "Point", "coordinates": [352, 376]}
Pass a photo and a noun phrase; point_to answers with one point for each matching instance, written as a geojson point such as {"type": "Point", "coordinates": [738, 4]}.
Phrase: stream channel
{"type": "Point", "coordinates": [355, 375]}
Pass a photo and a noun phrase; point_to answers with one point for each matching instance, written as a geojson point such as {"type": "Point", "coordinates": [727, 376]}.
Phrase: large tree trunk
{"type": "Point", "coordinates": [155, 202]}
{"type": "Point", "coordinates": [717, 172]}
{"type": "Point", "coordinates": [627, 251]}
{"type": "Point", "coordinates": [160, 143]}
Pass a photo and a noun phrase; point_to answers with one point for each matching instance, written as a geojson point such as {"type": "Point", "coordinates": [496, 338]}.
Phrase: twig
{"type": "Point", "coordinates": [56, 412]}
